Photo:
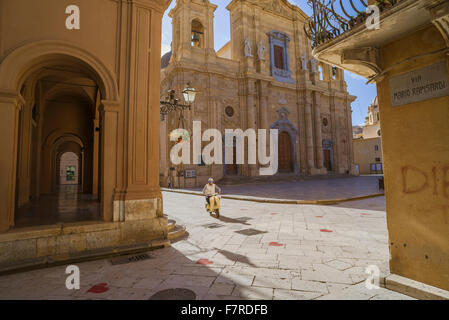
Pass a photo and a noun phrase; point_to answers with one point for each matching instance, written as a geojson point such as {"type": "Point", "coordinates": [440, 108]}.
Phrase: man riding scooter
{"type": "Point", "coordinates": [211, 191]}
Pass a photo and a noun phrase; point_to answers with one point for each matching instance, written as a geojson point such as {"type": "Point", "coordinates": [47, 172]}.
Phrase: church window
{"type": "Point", "coordinates": [229, 111]}
{"type": "Point", "coordinates": [279, 56]}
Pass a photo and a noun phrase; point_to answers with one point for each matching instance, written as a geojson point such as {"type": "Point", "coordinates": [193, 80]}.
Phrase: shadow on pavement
{"type": "Point", "coordinates": [235, 257]}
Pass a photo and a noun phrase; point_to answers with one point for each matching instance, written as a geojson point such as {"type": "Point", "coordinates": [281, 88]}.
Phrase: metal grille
{"type": "Point", "coordinates": [244, 219]}
{"type": "Point", "coordinates": [331, 18]}
{"type": "Point", "coordinates": [174, 294]}
{"type": "Point", "coordinates": [129, 259]}
{"type": "Point", "coordinates": [250, 232]}
{"type": "Point", "coordinates": [212, 225]}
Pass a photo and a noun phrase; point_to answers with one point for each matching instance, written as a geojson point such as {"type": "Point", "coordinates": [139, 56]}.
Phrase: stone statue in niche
{"type": "Point", "coordinates": [261, 49]}
{"type": "Point", "coordinates": [248, 51]}
{"type": "Point", "coordinates": [303, 63]}
{"type": "Point", "coordinates": [313, 64]}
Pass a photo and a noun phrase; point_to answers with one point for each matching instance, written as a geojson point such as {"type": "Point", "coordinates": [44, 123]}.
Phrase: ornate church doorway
{"type": "Point", "coordinates": [285, 153]}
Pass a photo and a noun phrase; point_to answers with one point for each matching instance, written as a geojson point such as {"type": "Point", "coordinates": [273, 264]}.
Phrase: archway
{"type": "Point", "coordinates": [68, 166]}
{"type": "Point", "coordinates": [230, 169]}
{"type": "Point", "coordinates": [328, 154]}
{"type": "Point", "coordinates": [285, 155]}
{"type": "Point", "coordinates": [61, 89]}
{"type": "Point", "coordinates": [288, 134]}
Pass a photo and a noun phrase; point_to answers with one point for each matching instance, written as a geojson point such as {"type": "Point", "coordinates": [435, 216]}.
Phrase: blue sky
{"type": "Point", "coordinates": [356, 84]}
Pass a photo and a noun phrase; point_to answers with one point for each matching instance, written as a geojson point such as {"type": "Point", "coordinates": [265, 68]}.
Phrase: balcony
{"type": "Point", "coordinates": [341, 32]}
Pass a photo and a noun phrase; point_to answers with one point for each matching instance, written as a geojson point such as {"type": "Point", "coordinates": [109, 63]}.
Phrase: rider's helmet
{"type": "Point", "coordinates": [211, 180]}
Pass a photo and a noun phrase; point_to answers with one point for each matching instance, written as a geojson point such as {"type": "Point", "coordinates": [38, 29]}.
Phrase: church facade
{"type": "Point", "coordinates": [264, 78]}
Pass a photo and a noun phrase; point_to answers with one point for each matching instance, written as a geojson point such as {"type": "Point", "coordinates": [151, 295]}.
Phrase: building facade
{"type": "Point", "coordinates": [368, 143]}
{"type": "Point", "coordinates": [264, 78]}
{"type": "Point", "coordinates": [89, 89]}
{"type": "Point", "coordinates": [407, 58]}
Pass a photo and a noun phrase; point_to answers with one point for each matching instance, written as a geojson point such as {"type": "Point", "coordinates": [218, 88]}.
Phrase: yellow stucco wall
{"type": "Point", "coordinates": [365, 153]}
{"type": "Point", "coordinates": [416, 157]}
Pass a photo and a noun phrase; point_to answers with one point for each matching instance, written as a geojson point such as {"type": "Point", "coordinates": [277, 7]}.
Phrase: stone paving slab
{"type": "Point", "coordinates": [305, 252]}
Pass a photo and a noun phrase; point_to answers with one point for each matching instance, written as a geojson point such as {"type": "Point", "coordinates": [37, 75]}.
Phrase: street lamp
{"type": "Point", "coordinates": [171, 104]}
{"type": "Point", "coordinates": [189, 94]}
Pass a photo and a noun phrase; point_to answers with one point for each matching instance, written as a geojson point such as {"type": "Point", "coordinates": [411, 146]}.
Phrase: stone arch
{"type": "Point", "coordinates": [285, 125]}
{"type": "Point", "coordinates": [18, 65]}
{"type": "Point", "coordinates": [72, 158]}
{"type": "Point", "coordinates": [52, 144]}
{"type": "Point", "coordinates": [60, 136]}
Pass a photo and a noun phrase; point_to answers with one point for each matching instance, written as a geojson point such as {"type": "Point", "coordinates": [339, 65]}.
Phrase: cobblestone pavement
{"type": "Point", "coordinates": [319, 189]}
{"type": "Point", "coordinates": [255, 251]}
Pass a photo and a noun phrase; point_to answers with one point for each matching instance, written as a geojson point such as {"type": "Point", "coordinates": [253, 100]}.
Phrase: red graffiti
{"type": "Point", "coordinates": [422, 180]}
{"type": "Point", "coordinates": [326, 230]}
{"type": "Point", "coordinates": [99, 288]}
{"type": "Point", "coordinates": [204, 262]}
{"type": "Point", "coordinates": [275, 244]}
{"type": "Point", "coordinates": [319, 216]}
{"type": "Point", "coordinates": [274, 213]}
{"type": "Point", "coordinates": [418, 172]}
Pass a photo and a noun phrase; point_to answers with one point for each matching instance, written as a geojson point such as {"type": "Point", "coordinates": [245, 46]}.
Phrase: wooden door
{"type": "Point", "coordinates": [327, 160]}
{"type": "Point", "coordinates": [232, 169]}
{"type": "Point", "coordinates": [285, 153]}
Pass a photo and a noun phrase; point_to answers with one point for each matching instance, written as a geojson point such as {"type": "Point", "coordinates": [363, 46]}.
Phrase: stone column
{"type": "Point", "coordinates": [141, 197]}
{"type": "Point", "coordinates": [108, 176]}
{"type": "Point", "coordinates": [96, 124]}
{"type": "Point", "coordinates": [309, 136]}
{"type": "Point", "coordinates": [10, 105]}
{"type": "Point", "coordinates": [24, 155]}
{"type": "Point", "coordinates": [251, 121]}
{"type": "Point", "coordinates": [336, 143]}
{"type": "Point", "coordinates": [318, 134]}
{"type": "Point", "coordinates": [263, 107]}
{"type": "Point", "coordinates": [351, 164]}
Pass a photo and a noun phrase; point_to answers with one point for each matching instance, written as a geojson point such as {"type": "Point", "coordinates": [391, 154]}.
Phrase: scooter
{"type": "Point", "coordinates": [214, 207]}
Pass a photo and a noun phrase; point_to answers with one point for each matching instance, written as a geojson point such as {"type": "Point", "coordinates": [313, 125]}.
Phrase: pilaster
{"type": "Point", "coordinates": [10, 105]}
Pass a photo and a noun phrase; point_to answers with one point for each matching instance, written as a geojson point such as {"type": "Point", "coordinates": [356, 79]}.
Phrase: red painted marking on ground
{"type": "Point", "coordinates": [325, 230]}
{"type": "Point", "coordinates": [99, 288]}
{"type": "Point", "coordinates": [275, 244]}
{"type": "Point", "coordinates": [274, 213]}
{"type": "Point", "coordinates": [204, 261]}
{"type": "Point", "coordinates": [319, 216]}
{"type": "Point", "coordinates": [365, 214]}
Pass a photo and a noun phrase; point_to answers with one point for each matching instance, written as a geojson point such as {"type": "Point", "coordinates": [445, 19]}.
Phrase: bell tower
{"type": "Point", "coordinates": [193, 28]}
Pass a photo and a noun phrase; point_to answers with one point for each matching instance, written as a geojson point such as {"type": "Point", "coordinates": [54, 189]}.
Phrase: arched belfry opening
{"type": "Point", "coordinates": [59, 140]}
{"type": "Point", "coordinates": [197, 39]}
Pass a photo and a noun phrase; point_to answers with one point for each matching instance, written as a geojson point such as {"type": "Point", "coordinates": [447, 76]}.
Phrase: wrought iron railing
{"type": "Point", "coordinates": [331, 18]}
